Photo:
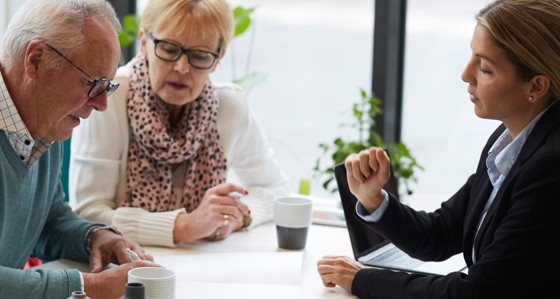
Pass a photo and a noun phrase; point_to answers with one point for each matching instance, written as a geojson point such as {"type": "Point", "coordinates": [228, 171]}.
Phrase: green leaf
{"type": "Point", "coordinates": [130, 23]}
{"type": "Point", "coordinates": [242, 18]}
{"type": "Point", "coordinates": [241, 26]}
{"type": "Point", "coordinates": [125, 39]}
{"type": "Point", "coordinates": [363, 93]}
{"type": "Point", "coordinates": [326, 183]}
{"type": "Point", "coordinates": [339, 142]}
{"type": "Point", "coordinates": [129, 31]}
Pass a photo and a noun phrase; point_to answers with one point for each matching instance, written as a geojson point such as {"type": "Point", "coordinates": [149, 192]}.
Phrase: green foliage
{"type": "Point", "coordinates": [364, 113]}
{"type": "Point", "coordinates": [129, 31]}
{"type": "Point", "coordinates": [127, 35]}
{"type": "Point", "coordinates": [243, 20]}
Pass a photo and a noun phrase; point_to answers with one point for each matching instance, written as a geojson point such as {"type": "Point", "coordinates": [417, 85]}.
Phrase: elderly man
{"type": "Point", "coordinates": [56, 60]}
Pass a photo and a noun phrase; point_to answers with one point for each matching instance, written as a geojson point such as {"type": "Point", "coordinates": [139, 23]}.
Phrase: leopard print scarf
{"type": "Point", "coordinates": [155, 146]}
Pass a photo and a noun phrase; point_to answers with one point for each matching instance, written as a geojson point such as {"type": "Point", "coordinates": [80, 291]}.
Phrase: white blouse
{"type": "Point", "coordinates": [99, 149]}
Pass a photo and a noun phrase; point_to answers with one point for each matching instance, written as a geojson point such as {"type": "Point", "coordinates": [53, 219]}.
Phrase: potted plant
{"type": "Point", "coordinates": [364, 112]}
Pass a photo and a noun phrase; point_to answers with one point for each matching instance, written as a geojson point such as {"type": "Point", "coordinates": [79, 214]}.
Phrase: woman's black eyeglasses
{"type": "Point", "coordinates": [170, 52]}
{"type": "Point", "coordinates": [98, 86]}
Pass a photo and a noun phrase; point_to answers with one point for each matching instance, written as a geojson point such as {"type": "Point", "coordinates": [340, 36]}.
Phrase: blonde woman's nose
{"type": "Point", "coordinates": [182, 65]}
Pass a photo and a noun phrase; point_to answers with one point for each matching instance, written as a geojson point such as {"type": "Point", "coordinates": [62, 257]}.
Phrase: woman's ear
{"type": "Point", "coordinates": [142, 37]}
{"type": "Point", "coordinates": [540, 86]}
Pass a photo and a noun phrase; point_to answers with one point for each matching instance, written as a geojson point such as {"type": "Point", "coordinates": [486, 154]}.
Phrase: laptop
{"type": "Point", "coordinates": [371, 249]}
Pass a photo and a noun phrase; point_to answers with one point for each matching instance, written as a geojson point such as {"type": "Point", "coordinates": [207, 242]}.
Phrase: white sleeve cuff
{"type": "Point", "coordinates": [376, 215]}
{"type": "Point", "coordinates": [82, 288]}
{"type": "Point", "coordinates": [146, 228]}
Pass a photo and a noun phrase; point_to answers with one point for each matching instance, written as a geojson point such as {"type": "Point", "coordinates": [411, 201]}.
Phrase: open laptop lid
{"type": "Point", "coordinates": [364, 240]}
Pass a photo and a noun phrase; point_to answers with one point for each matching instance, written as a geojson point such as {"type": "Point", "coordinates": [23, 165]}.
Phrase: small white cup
{"type": "Point", "coordinates": [159, 283]}
{"type": "Point", "coordinates": [292, 216]}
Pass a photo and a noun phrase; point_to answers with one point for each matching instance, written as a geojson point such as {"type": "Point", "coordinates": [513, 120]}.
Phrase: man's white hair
{"type": "Point", "coordinates": [57, 22]}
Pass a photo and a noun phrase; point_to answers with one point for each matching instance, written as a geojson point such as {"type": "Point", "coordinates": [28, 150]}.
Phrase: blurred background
{"type": "Point", "coordinates": [316, 55]}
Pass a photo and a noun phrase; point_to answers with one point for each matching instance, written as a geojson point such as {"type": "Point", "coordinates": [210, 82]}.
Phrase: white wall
{"type": "Point", "coordinates": [439, 123]}
{"type": "Point", "coordinates": [7, 8]}
{"type": "Point", "coordinates": [317, 56]}
{"type": "Point", "coordinates": [3, 16]}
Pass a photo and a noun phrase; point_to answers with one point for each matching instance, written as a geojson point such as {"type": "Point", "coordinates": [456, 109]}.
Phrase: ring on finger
{"type": "Point", "coordinates": [226, 219]}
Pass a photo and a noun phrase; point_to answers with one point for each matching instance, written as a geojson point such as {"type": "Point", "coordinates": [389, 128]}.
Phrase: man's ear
{"type": "Point", "coordinates": [33, 58]}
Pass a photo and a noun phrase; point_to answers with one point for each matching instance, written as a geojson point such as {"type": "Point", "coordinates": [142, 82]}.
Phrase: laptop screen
{"type": "Point", "coordinates": [364, 239]}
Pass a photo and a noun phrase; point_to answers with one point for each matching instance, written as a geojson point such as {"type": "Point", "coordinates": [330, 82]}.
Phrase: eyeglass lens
{"type": "Point", "coordinates": [98, 85]}
{"type": "Point", "coordinates": [171, 52]}
{"type": "Point", "coordinates": [102, 85]}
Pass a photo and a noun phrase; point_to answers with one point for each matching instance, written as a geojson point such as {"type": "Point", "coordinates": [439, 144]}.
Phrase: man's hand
{"type": "Point", "coordinates": [111, 283]}
{"type": "Point", "coordinates": [109, 247]}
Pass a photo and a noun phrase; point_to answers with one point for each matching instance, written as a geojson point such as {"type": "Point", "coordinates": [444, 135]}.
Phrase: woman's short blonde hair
{"type": "Point", "coordinates": [529, 33]}
{"type": "Point", "coordinates": [197, 17]}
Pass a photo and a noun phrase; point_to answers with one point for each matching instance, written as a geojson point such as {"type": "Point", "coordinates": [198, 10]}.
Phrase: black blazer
{"type": "Point", "coordinates": [517, 249]}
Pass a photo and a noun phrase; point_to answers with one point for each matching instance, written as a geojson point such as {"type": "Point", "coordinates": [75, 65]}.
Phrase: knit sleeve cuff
{"type": "Point", "coordinates": [149, 229]}
{"type": "Point", "coordinates": [75, 280]}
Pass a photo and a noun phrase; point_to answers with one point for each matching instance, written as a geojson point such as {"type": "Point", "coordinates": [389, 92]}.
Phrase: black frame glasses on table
{"type": "Point", "coordinates": [171, 52]}
{"type": "Point", "coordinates": [98, 86]}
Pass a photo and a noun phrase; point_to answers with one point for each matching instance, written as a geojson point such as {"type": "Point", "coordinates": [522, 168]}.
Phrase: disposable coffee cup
{"type": "Point", "coordinates": [292, 216]}
{"type": "Point", "coordinates": [159, 282]}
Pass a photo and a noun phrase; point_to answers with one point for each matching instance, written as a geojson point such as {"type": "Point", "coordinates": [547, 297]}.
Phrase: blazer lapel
{"type": "Point", "coordinates": [549, 121]}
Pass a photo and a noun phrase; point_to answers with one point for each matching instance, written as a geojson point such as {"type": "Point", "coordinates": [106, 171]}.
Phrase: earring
{"type": "Point", "coordinates": [531, 99]}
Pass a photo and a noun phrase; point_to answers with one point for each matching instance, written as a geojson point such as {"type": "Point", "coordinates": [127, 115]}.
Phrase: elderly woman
{"type": "Point", "coordinates": [155, 163]}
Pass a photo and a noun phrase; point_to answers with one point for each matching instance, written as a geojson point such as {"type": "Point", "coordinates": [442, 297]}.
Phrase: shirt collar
{"type": "Point", "coordinates": [505, 150]}
{"type": "Point", "coordinates": [10, 120]}
{"type": "Point", "coordinates": [18, 135]}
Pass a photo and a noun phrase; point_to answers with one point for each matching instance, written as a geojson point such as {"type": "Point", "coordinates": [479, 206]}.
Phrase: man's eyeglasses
{"type": "Point", "coordinates": [98, 86]}
{"type": "Point", "coordinates": [170, 52]}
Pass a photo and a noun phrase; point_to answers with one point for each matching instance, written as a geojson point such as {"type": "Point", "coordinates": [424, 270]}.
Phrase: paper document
{"type": "Point", "coordinates": [237, 275]}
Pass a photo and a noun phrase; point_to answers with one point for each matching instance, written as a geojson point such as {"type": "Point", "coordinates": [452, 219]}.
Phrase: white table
{"type": "Point", "coordinates": [322, 240]}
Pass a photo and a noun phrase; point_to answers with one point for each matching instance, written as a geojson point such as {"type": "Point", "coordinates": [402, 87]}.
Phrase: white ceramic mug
{"type": "Point", "coordinates": [292, 216]}
{"type": "Point", "coordinates": [159, 282]}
